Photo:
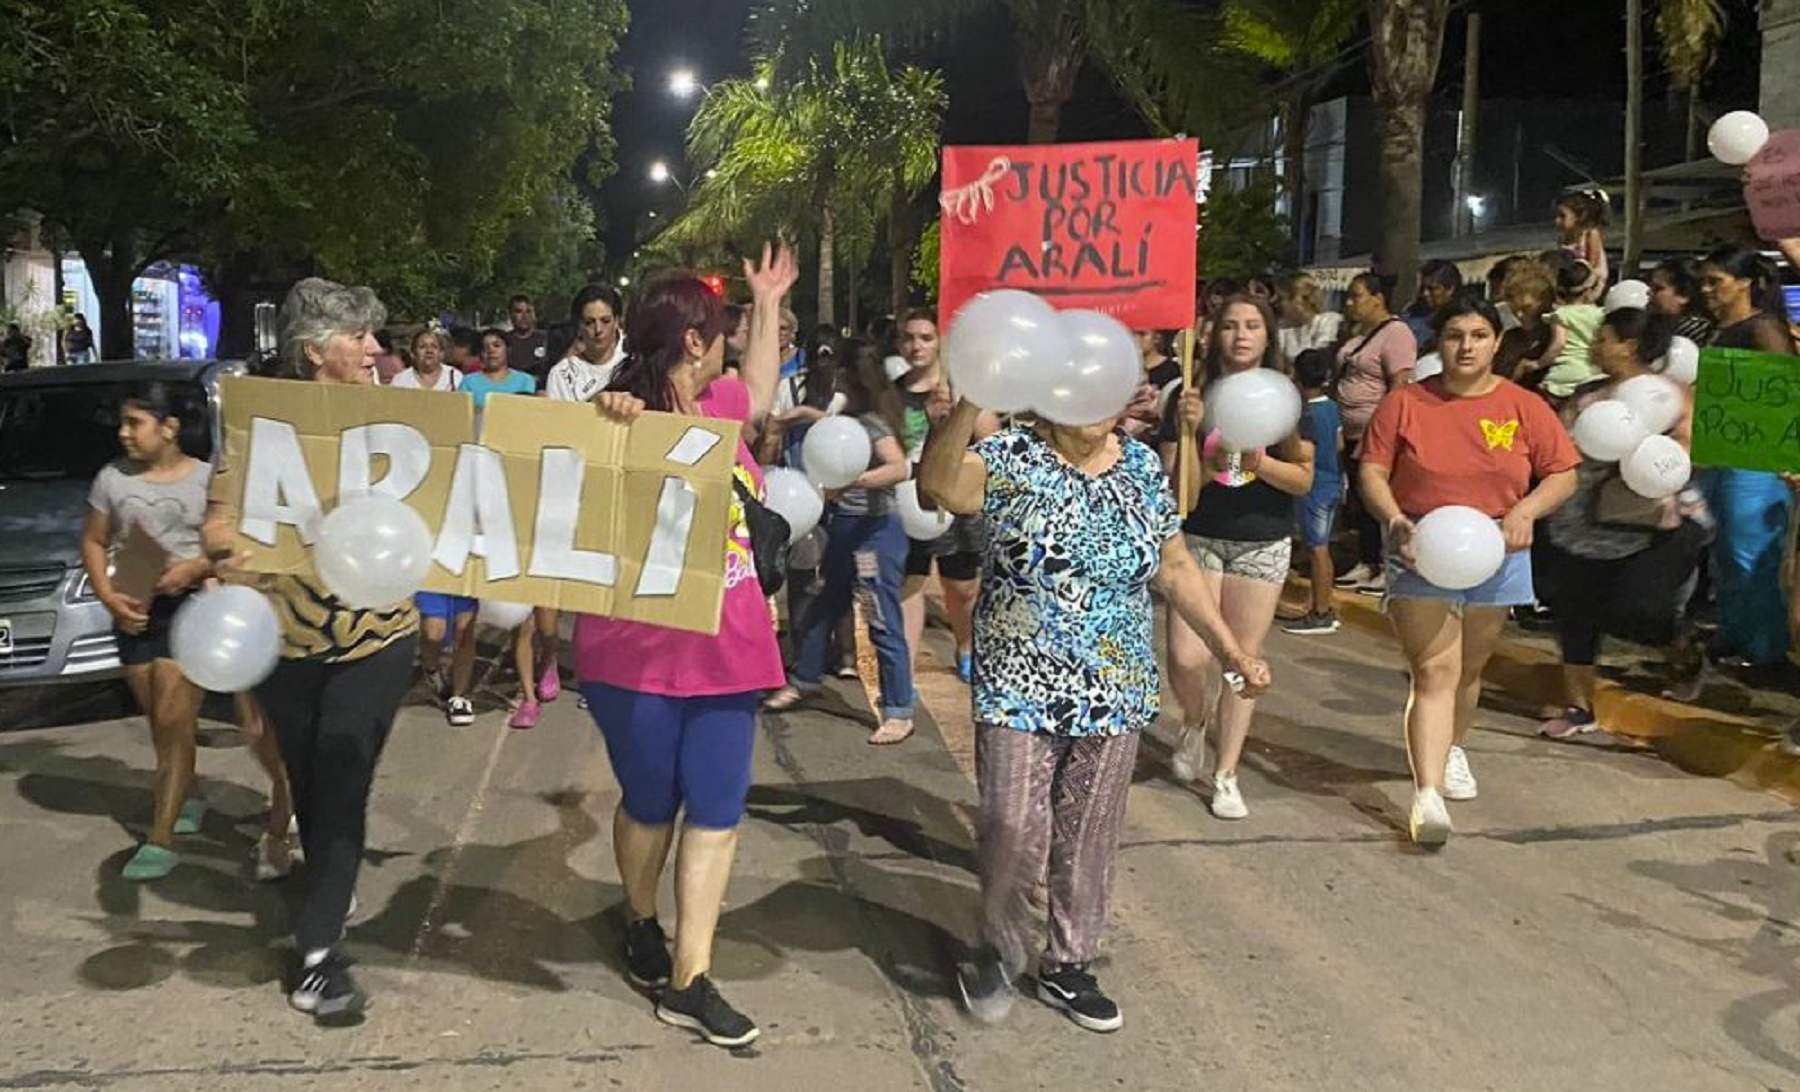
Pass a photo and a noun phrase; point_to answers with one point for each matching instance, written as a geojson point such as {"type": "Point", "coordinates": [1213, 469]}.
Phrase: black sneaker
{"type": "Point", "coordinates": [647, 961]}
{"type": "Point", "coordinates": [987, 990]}
{"type": "Point", "coordinates": [1071, 988]}
{"type": "Point", "coordinates": [1312, 623]}
{"type": "Point", "coordinates": [700, 1008]}
{"type": "Point", "coordinates": [327, 990]}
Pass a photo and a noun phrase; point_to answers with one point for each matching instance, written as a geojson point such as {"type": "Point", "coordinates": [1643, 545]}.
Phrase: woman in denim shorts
{"type": "Point", "coordinates": [1240, 530]}
{"type": "Point", "coordinates": [1465, 437]}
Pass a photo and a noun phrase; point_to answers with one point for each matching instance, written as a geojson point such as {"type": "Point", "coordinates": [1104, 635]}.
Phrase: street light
{"type": "Point", "coordinates": [659, 172]}
{"type": "Point", "coordinates": [762, 83]}
{"type": "Point", "coordinates": [683, 83]}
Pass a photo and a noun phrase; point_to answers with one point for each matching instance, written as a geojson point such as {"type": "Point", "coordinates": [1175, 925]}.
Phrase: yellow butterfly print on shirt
{"type": "Point", "coordinates": [1499, 433]}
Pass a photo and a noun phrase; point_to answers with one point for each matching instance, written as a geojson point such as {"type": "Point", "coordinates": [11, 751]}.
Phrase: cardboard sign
{"type": "Point", "coordinates": [1747, 411]}
{"type": "Point", "coordinates": [1104, 227]}
{"type": "Point", "coordinates": [556, 506]}
{"type": "Point", "coordinates": [138, 564]}
{"type": "Point", "coordinates": [1772, 186]}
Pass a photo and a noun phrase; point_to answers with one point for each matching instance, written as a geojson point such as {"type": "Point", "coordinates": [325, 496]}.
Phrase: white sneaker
{"type": "Point", "coordinates": [1227, 801]}
{"type": "Point", "coordinates": [274, 858]}
{"type": "Point", "coordinates": [1354, 576]}
{"type": "Point", "coordinates": [460, 712]}
{"type": "Point", "coordinates": [1459, 783]}
{"type": "Point", "coordinates": [1430, 819]}
{"type": "Point", "coordinates": [1190, 754]}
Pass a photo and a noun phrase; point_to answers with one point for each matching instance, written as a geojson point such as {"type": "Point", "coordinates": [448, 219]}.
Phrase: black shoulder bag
{"type": "Point", "coordinates": [769, 535]}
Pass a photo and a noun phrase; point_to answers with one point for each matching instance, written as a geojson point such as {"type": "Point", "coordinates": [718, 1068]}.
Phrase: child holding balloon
{"type": "Point", "coordinates": [161, 490]}
{"type": "Point", "coordinates": [865, 553]}
{"type": "Point", "coordinates": [1464, 438]}
{"type": "Point", "coordinates": [1614, 560]}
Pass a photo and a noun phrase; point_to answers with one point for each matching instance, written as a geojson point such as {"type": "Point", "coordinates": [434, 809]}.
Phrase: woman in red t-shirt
{"type": "Point", "coordinates": [1464, 437]}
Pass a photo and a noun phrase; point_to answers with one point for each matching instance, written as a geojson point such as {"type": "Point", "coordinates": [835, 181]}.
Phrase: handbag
{"type": "Point", "coordinates": [1618, 505]}
{"type": "Point", "coordinates": [769, 538]}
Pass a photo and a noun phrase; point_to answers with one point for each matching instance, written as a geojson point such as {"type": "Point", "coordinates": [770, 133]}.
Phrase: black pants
{"type": "Point", "coordinates": [1366, 526]}
{"type": "Point", "coordinates": [331, 722]}
{"type": "Point", "coordinates": [1639, 598]}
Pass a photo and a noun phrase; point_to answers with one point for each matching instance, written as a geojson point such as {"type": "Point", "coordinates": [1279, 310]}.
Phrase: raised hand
{"type": "Point", "coordinates": [771, 278]}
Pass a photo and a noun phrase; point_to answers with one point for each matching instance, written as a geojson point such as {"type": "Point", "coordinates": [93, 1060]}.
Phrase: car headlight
{"type": "Point", "coordinates": [81, 590]}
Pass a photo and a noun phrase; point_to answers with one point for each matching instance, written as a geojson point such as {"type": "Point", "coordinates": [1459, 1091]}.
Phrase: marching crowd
{"type": "Point", "coordinates": [1062, 539]}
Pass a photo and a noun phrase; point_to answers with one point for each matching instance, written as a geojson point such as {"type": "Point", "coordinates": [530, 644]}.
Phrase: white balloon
{"type": "Point", "coordinates": [794, 498]}
{"type": "Point", "coordinates": [1627, 293]}
{"type": "Point", "coordinates": [1457, 547]}
{"type": "Point", "coordinates": [1737, 137]}
{"type": "Point", "coordinates": [226, 640]}
{"type": "Point", "coordinates": [373, 551]}
{"type": "Point", "coordinates": [1608, 431]}
{"type": "Point", "coordinates": [1656, 402]}
{"type": "Point", "coordinates": [1100, 374]}
{"type": "Point", "coordinates": [1682, 362]}
{"type": "Point", "coordinates": [836, 452]}
{"type": "Point", "coordinates": [1253, 409]}
{"type": "Point", "coordinates": [507, 616]}
{"type": "Point", "coordinates": [921, 526]}
{"type": "Point", "coordinates": [1000, 345]}
{"type": "Point", "coordinates": [1658, 468]}
{"type": "Point", "coordinates": [1428, 365]}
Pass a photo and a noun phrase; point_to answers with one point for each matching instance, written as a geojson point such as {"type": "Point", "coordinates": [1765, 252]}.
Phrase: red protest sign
{"type": "Point", "coordinates": [1105, 227]}
{"type": "Point", "coordinates": [1772, 186]}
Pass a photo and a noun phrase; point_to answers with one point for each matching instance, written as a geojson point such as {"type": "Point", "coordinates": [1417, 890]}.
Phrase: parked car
{"type": "Point", "coordinates": [58, 427]}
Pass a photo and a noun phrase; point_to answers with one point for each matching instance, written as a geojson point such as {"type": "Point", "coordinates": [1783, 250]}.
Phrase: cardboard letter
{"type": "Point", "coordinates": [478, 518]}
{"type": "Point", "coordinates": [561, 473]}
{"type": "Point", "coordinates": [408, 454]}
{"type": "Point", "coordinates": [277, 486]}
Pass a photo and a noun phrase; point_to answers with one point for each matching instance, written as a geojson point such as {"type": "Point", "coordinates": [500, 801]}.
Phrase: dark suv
{"type": "Point", "coordinates": [58, 427]}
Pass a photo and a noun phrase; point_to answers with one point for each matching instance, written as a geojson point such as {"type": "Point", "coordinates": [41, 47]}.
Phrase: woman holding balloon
{"type": "Point", "coordinates": [1621, 555]}
{"type": "Point", "coordinates": [343, 669]}
{"type": "Point", "coordinates": [1240, 528]}
{"type": "Point", "coordinates": [866, 543]}
{"type": "Point", "coordinates": [1462, 440]}
{"type": "Point", "coordinates": [1083, 526]}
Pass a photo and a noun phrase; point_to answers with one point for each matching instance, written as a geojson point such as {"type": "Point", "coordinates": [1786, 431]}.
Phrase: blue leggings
{"type": "Point", "coordinates": [1752, 510]}
{"type": "Point", "coordinates": [668, 753]}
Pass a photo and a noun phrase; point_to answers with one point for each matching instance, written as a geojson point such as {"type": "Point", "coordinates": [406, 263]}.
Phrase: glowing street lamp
{"type": "Point", "coordinates": [683, 83]}
{"type": "Point", "coordinates": [659, 172]}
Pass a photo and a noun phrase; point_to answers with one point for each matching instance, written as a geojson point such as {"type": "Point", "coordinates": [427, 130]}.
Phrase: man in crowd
{"type": "Point", "coordinates": [526, 342]}
{"type": "Point", "coordinates": [465, 350]}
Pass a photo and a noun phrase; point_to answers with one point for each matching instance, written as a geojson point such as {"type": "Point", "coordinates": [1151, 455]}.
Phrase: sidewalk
{"type": "Point", "coordinates": [1732, 732]}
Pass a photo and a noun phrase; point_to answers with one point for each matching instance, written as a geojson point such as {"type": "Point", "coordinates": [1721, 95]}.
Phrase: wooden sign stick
{"type": "Point", "coordinates": [1186, 451]}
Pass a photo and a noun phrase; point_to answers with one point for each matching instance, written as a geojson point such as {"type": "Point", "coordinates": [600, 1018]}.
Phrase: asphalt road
{"type": "Point", "coordinates": [1600, 921]}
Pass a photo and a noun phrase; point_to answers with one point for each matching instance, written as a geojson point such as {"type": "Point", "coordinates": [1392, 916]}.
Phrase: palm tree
{"type": "Point", "coordinates": [1159, 52]}
{"type": "Point", "coordinates": [1406, 37]}
{"type": "Point", "coordinates": [817, 154]}
{"type": "Point", "coordinates": [1690, 31]}
{"type": "Point", "coordinates": [1295, 38]}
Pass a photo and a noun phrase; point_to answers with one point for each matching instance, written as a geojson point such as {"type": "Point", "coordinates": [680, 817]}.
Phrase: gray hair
{"type": "Point", "coordinates": [317, 310]}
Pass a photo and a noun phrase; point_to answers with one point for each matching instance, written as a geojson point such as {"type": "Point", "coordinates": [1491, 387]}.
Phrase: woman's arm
{"type": "Point", "coordinates": [1772, 336]}
{"type": "Point", "coordinates": [1291, 470]}
{"type": "Point", "coordinates": [1378, 496]}
{"type": "Point", "coordinates": [1519, 524]}
{"type": "Point", "coordinates": [1190, 412]}
{"type": "Point", "coordinates": [769, 282]}
{"type": "Point", "coordinates": [1179, 582]}
{"type": "Point", "coordinates": [950, 475]}
{"type": "Point", "coordinates": [96, 539]}
{"type": "Point", "coordinates": [891, 471]}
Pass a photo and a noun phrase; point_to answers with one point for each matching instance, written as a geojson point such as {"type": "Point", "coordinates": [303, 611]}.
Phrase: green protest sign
{"type": "Point", "coordinates": [1747, 411]}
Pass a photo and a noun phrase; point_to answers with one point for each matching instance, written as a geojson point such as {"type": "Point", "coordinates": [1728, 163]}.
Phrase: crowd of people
{"type": "Point", "coordinates": [1062, 540]}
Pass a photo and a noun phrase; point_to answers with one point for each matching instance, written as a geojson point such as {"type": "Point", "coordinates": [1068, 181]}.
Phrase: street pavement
{"type": "Point", "coordinates": [1601, 919]}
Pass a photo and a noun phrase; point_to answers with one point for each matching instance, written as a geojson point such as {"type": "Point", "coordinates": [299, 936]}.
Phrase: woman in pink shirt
{"type": "Point", "coordinates": [678, 709]}
{"type": "Point", "coordinates": [1379, 358]}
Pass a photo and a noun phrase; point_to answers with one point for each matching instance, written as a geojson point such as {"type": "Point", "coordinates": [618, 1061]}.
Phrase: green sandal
{"type": "Point", "coordinates": [193, 813]}
{"type": "Point", "coordinates": [150, 862]}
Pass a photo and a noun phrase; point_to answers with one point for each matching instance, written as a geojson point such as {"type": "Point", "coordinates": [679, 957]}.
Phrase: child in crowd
{"type": "Point", "coordinates": [1573, 324]}
{"type": "Point", "coordinates": [1581, 217]}
{"type": "Point", "coordinates": [1316, 511]}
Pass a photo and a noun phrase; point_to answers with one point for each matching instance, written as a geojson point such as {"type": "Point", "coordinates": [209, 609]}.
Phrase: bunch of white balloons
{"type": "Point", "coordinates": [1009, 351]}
{"type": "Point", "coordinates": [1628, 429]}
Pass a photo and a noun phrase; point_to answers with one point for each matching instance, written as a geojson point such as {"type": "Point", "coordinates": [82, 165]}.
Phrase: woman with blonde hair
{"type": "Point", "coordinates": [1305, 323]}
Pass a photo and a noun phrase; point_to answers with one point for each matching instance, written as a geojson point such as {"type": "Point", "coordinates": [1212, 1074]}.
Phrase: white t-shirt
{"type": "Point", "coordinates": [448, 379]}
{"type": "Point", "coordinates": [1320, 333]}
{"type": "Point", "coordinates": [573, 379]}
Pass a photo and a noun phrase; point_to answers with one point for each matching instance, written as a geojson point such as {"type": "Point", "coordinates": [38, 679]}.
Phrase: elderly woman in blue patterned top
{"type": "Point", "coordinates": [1083, 525]}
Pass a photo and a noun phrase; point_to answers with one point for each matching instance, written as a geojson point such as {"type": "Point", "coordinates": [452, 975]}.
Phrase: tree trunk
{"type": "Point", "coordinates": [1046, 119]}
{"type": "Point", "coordinates": [827, 266]}
{"type": "Point", "coordinates": [902, 237]}
{"type": "Point", "coordinates": [1406, 37]}
{"type": "Point", "coordinates": [230, 284]}
{"type": "Point", "coordinates": [1468, 130]}
{"type": "Point", "coordinates": [112, 262]}
{"type": "Point", "coordinates": [1050, 54]}
{"type": "Point", "coordinates": [1293, 151]}
{"type": "Point", "coordinates": [1634, 115]}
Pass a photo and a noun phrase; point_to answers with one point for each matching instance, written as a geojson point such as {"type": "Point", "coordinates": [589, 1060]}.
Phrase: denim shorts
{"type": "Point", "coordinates": [447, 607]}
{"type": "Point", "coordinates": [1510, 587]}
{"type": "Point", "coordinates": [1315, 513]}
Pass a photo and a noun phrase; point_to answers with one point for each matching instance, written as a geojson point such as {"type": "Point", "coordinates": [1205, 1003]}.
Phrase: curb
{"type": "Point", "coordinates": [1697, 740]}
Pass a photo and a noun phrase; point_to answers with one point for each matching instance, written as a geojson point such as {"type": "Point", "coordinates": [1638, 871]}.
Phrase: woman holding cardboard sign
{"type": "Point", "coordinates": [678, 709]}
{"type": "Point", "coordinates": [343, 670]}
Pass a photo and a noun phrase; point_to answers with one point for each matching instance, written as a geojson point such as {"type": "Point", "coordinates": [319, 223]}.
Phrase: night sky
{"type": "Point", "coordinates": [1531, 48]}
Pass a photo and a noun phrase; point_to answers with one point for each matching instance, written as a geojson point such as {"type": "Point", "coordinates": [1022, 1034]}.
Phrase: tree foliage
{"type": "Point", "coordinates": [1690, 31]}
{"type": "Point", "coordinates": [1241, 232]}
{"type": "Point", "coordinates": [398, 144]}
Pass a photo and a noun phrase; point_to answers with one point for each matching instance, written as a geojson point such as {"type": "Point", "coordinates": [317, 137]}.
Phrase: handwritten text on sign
{"type": "Point", "coordinates": [1747, 411]}
{"type": "Point", "coordinates": [1772, 186]}
{"type": "Point", "coordinates": [555, 505]}
{"type": "Point", "coordinates": [1106, 227]}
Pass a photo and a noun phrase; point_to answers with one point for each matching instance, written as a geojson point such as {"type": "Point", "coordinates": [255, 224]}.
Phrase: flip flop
{"type": "Point", "coordinates": [892, 732]}
{"type": "Point", "coordinates": [149, 863]}
{"type": "Point", "coordinates": [193, 813]}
